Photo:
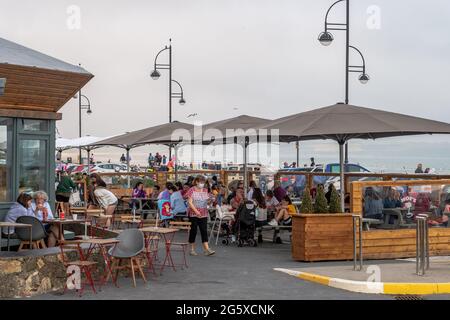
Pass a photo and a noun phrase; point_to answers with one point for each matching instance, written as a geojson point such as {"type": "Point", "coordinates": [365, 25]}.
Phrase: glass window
{"type": "Point", "coordinates": [6, 127]}
{"type": "Point", "coordinates": [34, 125]}
{"type": "Point", "coordinates": [33, 165]}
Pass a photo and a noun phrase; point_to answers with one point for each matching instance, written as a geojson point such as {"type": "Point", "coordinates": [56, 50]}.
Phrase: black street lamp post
{"type": "Point", "coordinates": [81, 107]}
{"type": "Point", "coordinates": [325, 38]}
{"type": "Point", "coordinates": [155, 75]}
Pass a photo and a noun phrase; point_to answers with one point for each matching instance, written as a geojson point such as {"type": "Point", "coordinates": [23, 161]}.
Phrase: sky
{"type": "Point", "coordinates": [232, 57]}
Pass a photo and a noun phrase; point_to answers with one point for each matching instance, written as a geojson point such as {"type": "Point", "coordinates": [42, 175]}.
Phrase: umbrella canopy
{"type": "Point", "coordinates": [342, 122]}
{"type": "Point", "coordinates": [160, 134]}
{"type": "Point", "coordinates": [65, 144]}
{"type": "Point", "coordinates": [237, 127]}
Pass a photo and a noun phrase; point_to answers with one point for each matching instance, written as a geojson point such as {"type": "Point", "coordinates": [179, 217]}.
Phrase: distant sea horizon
{"type": "Point", "coordinates": [399, 155]}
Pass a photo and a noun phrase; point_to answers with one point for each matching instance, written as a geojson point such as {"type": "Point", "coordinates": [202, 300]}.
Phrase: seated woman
{"type": "Point", "coordinates": [373, 204]}
{"type": "Point", "coordinates": [261, 209]}
{"type": "Point", "coordinates": [40, 208]}
{"type": "Point", "coordinates": [283, 215]}
{"type": "Point", "coordinates": [392, 200]}
{"type": "Point", "coordinates": [18, 209]}
{"type": "Point", "coordinates": [272, 203]}
{"type": "Point", "coordinates": [238, 198]}
{"type": "Point", "coordinates": [177, 203]}
{"type": "Point", "coordinates": [138, 192]}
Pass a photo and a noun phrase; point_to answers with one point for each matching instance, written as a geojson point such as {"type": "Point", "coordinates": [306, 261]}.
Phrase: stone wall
{"type": "Point", "coordinates": [38, 273]}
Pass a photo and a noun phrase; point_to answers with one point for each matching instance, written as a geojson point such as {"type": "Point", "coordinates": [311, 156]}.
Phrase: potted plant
{"type": "Point", "coordinates": [149, 183]}
{"type": "Point", "coordinates": [323, 235]}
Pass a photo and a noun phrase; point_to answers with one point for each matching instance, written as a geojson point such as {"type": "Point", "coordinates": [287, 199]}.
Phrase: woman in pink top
{"type": "Point", "coordinates": [198, 199]}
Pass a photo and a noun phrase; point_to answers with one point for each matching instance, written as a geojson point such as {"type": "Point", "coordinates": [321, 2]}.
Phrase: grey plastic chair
{"type": "Point", "coordinates": [130, 247]}
{"type": "Point", "coordinates": [38, 232]}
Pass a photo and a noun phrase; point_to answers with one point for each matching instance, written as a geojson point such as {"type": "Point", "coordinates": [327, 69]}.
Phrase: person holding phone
{"type": "Point", "coordinates": [198, 199]}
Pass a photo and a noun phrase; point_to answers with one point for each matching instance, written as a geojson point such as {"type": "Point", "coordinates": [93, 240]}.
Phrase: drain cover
{"type": "Point", "coordinates": [409, 297]}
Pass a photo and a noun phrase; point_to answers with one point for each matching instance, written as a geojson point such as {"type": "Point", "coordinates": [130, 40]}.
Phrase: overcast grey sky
{"type": "Point", "coordinates": [261, 56]}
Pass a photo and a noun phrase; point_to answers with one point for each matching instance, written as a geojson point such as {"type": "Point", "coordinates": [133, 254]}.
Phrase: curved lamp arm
{"type": "Point", "coordinates": [156, 58]}
{"type": "Point", "coordinates": [328, 11]}
{"type": "Point", "coordinates": [181, 88]}
{"type": "Point", "coordinates": [362, 57]}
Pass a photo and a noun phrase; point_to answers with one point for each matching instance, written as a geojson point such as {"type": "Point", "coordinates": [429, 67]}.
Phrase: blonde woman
{"type": "Point", "coordinates": [40, 208]}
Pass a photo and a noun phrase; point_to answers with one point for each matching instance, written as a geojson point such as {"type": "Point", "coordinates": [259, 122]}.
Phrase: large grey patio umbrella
{"type": "Point", "coordinates": [239, 127]}
{"type": "Point", "coordinates": [160, 134]}
{"type": "Point", "coordinates": [342, 122]}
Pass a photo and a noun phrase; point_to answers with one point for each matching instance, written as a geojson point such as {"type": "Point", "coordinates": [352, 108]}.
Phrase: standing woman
{"type": "Point", "coordinates": [105, 198]}
{"type": "Point", "coordinates": [198, 198]}
{"type": "Point", "coordinates": [65, 188]}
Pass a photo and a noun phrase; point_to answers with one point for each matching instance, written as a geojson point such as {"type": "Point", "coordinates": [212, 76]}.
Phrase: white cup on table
{"type": "Point", "coordinates": [74, 216]}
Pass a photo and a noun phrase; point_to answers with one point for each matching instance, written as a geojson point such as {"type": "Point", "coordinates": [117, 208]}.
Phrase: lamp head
{"type": "Point", "coordinates": [182, 101]}
{"type": "Point", "coordinates": [155, 74]}
{"type": "Point", "coordinates": [325, 38]}
{"type": "Point", "coordinates": [89, 111]}
{"type": "Point", "coordinates": [364, 78]}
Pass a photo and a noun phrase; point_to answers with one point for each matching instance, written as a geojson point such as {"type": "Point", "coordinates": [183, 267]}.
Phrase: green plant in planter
{"type": "Point", "coordinates": [149, 183]}
{"type": "Point", "coordinates": [320, 205]}
{"type": "Point", "coordinates": [335, 201]}
{"type": "Point", "coordinates": [307, 206]}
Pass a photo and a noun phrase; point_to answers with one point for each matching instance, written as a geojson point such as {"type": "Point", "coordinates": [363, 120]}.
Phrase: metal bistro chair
{"type": "Point", "coordinates": [85, 266]}
{"type": "Point", "coordinates": [37, 231]}
{"type": "Point", "coordinates": [130, 247]}
{"type": "Point", "coordinates": [221, 217]}
{"type": "Point", "coordinates": [181, 225]}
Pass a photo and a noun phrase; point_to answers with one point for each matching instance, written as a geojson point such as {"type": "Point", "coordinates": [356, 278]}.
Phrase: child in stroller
{"type": "Point", "coordinates": [244, 226]}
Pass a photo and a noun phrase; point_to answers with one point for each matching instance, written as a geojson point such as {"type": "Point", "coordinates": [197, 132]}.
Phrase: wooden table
{"type": "Point", "coordinates": [140, 208]}
{"type": "Point", "coordinates": [168, 235]}
{"type": "Point", "coordinates": [60, 223]}
{"type": "Point", "coordinates": [102, 245]}
{"type": "Point", "coordinates": [14, 225]}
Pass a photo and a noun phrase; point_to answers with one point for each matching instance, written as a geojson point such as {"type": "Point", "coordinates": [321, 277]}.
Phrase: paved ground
{"type": "Point", "coordinates": [389, 271]}
{"type": "Point", "coordinates": [233, 273]}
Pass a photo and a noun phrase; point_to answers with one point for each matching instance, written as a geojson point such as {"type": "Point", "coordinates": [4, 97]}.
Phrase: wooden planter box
{"type": "Point", "coordinates": [322, 237]}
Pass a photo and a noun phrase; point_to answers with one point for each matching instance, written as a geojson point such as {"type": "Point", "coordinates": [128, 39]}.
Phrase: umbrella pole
{"type": "Point", "coordinates": [89, 160]}
{"type": "Point", "coordinates": [297, 145]}
{"type": "Point", "coordinates": [341, 170]}
{"type": "Point", "coordinates": [346, 153]}
{"type": "Point", "coordinates": [128, 168]}
{"type": "Point", "coordinates": [245, 167]}
{"type": "Point", "coordinates": [175, 162]}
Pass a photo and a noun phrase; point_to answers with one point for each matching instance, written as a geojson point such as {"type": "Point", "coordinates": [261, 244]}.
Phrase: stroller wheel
{"type": "Point", "coordinates": [251, 243]}
{"type": "Point", "coordinates": [225, 242]}
{"type": "Point", "coordinates": [240, 243]}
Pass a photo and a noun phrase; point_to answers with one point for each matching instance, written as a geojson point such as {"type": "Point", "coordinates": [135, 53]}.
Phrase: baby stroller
{"type": "Point", "coordinates": [245, 224]}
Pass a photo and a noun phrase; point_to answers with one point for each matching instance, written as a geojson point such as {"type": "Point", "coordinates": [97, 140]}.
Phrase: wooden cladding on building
{"type": "Point", "coordinates": [35, 89]}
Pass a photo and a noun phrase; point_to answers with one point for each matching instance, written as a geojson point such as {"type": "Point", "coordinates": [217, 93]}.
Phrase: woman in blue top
{"type": "Point", "coordinates": [18, 209]}
{"type": "Point", "coordinates": [177, 203]}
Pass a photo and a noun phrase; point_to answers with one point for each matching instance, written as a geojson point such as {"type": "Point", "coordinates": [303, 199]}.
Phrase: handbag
{"type": "Point", "coordinates": [74, 198]}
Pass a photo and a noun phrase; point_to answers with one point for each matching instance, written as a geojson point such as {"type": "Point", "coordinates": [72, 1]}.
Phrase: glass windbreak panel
{"type": "Point", "coordinates": [399, 206]}
{"type": "Point", "coordinates": [294, 184]}
{"type": "Point", "coordinates": [6, 127]}
{"type": "Point", "coordinates": [34, 125]}
{"type": "Point", "coordinates": [32, 165]}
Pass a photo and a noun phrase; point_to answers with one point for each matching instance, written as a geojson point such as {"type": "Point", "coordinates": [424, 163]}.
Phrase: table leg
{"type": "Point", "coordinates": [1, 231]}
{"type": "Point", "coordinates": [9, 236]}
{"type": "Point", "coordinates": [31, 237]}
{"type": "Point", "coordinates": [168, 256]}
{"type": "Point", "coordinates": [108, 266]}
